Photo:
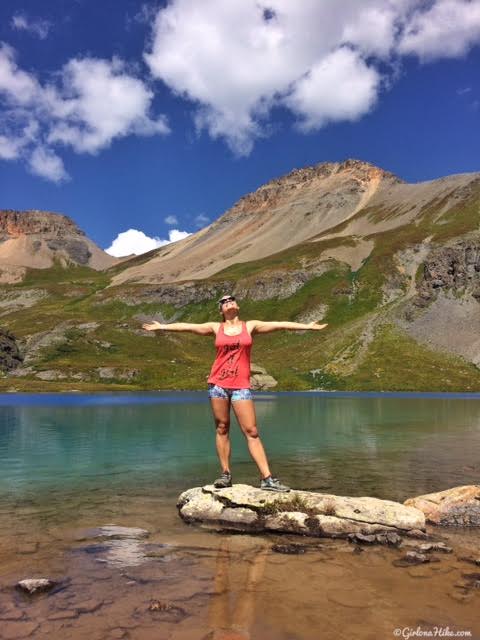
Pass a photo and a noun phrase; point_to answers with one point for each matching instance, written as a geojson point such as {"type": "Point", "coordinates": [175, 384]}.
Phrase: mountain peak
{"type": "Point", "coordinates": [37, 239]}
{"type": "Point", "coordinates": [359, 169]}
{"type": "Point", "coordinates": [17, 223]}
{"type": "Point", "coordinates": [351, 175]}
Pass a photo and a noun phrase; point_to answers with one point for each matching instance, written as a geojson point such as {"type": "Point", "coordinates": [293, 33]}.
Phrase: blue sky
{"type": "Point", "coordinates": [155, 117]}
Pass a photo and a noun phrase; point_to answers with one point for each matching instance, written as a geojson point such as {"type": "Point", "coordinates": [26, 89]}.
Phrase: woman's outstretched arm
{"type": "Point", "coordinates": [203, 329]}
{"type": "Point", "coordinates": [259, 326]}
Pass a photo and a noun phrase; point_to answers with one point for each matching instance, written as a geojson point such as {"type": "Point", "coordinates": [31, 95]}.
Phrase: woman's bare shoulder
{"type": "Point", "coordinates": [251, 324]}
{"type": "Point", "coordinates": [215, 326]}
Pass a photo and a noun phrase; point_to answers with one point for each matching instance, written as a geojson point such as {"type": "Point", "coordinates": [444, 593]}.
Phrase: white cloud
{"type": "Point", "coordinates": [447, 29]}
{"type": "Point", "coordinates": [100, 101]}
{"type": "Point", "coordinates": [356, 90]}
{"type": "Point", "coordinates": [18, 87]}
{"type": "Point", "coordinates": [45, 163]}
{"type": "Point", "coordinates": [145, 15]}
{"type": "Point", "coordinates": [201, 219]}
{"type": "Point", "coordinates": [136, 242]}
{"type": "Point", "coordinates": [91, 103]}
{"type": "Point", "coordinates": [325, 61]}
{"type": "Point", "coordinates": [9, 148]}
{"type": "Point", "coordinates": [38, 27]}
{"type": "Point", "coordinates": [235, 62]}
{"type": "Point", "coordinates": [171, 220]}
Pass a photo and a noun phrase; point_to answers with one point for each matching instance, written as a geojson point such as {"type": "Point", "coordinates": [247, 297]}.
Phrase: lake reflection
{"type": "Point", "coordinates": [387, 447]}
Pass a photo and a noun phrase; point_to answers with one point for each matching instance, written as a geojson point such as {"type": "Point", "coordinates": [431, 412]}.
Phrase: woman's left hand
{"type": "Point", "coordinates": [317, 327]}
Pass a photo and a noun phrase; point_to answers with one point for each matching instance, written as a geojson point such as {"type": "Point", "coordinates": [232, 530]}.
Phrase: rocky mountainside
{"type": "Point", "coordinates": [392, 267]}
{"type": "Point", "coordinates": [353, 200]}
{"type": "Point", "coordinates": [38, 239]}
{"type": "Point", "coordinates": [10, 356]}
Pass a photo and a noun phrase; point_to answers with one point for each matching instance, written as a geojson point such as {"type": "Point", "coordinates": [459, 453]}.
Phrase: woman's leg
{"type": "Point", "coordinates": [221, 414]}
{"type": "Point", "coordinates": [245, 413]}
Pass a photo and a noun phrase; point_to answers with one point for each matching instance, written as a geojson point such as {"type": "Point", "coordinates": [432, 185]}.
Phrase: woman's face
{"type": "Point", "coordinates": [230, 308]}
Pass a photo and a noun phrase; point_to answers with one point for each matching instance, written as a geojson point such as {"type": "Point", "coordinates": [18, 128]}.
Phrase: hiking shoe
{"type": "Point", "coordinates": [273, 484]}
{"type": "Point", "coordinates": [225, 480]}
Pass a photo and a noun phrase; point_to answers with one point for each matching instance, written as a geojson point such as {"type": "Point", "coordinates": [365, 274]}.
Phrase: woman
{"type": "Point", "coordinates": [229, 382]}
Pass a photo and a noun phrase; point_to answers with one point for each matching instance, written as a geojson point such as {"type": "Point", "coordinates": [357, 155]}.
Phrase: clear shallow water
{"type": "Point", "coordinates": [70, 463]}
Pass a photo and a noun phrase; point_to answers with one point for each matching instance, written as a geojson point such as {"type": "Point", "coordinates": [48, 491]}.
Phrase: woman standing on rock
{"type": "Point", "coordinates": [229, 382]}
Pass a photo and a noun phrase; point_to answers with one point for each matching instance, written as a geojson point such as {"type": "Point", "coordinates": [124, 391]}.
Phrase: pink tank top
{"type": "Point", "coordinates": [231, 368]}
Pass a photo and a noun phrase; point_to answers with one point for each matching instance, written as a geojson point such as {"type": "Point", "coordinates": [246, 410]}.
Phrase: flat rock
{"type": "Point", "coordinates": [247, 508]}
{"type": "Point", "coordinates": [459, 506]}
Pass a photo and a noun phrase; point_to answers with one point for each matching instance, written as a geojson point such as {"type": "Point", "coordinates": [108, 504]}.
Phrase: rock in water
{"type": "Point", "coordinates": [246, 508]}
{"type": "Point", "coordinates": [34, 585]}
{"type": "Point", "coordinates": [459, 506]}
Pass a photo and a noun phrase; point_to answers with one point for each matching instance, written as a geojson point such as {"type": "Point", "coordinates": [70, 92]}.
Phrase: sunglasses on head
{"type": "Point", "coordinates": [229, 299]}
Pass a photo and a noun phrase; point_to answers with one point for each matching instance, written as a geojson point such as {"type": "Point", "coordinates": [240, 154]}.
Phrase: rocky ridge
{"type": "Point", "coordinates": [17, 223]}
{"type": "Point", "coordinates": [270, 194]}
{"type": "Point", "coordinates": [286, 211]}
{"type": "Point", "coordinates": [349, 202]}
{"type": "Point", "coordinates": [454, 267]}
{"type": "Point", "coordinates": [39, 239]}
{"type": "Point", "coordinates": [10, 355]}
{"type": "Point", "coordinates": [442, 309]}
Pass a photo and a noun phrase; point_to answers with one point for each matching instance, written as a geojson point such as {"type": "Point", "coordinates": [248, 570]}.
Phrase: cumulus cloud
{"type": "Point", "coordinates": [100, 101]}
{"type": "Point", "coordinates": [171, 220]}
{"type": "Point", "coordinates": [38, 27]}
{"type": "Point", "coordinates": [237, 60]}
{"type": "Point", "coordinates": [91, 103]}
{"type": "Point", "coordinates": [325, 61]}
{"type": "Point", "coordinates": [136, 242]}
{"type": "Point", "coordinates": [447, 29]}
{"type": "Point", "coordinates": [17, 86]}
{"type": "Point", "coordinates": [45, 163]}
{"type": "Point", "coordinates": [356, 90]}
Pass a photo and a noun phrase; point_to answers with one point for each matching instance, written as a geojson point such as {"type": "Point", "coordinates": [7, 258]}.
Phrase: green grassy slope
{"type": "Point", "coordinates": [390, 360]}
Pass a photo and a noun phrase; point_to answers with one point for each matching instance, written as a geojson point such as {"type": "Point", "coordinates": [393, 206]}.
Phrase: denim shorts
{"type": "Point", "coordinates": [215, 391]}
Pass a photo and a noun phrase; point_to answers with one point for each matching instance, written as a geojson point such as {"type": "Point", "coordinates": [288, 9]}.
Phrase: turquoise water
{"type": "Point", "coordinates": [72, 465]}
{"type": "Point", "coordinates": [389, 446]}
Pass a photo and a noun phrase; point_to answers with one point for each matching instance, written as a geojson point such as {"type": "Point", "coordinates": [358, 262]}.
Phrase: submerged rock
{"type": "Point", "coordinates": [34, 585]}
{"type": "Point", "coordinates": [314, 514]}
{"type": "Point", "coordinates": [117, 546]}
{"type": "Point", "coordinates": [459, 506]}
{"type": "Point", "coordinates": [390, 538]}
{"type": "Point", "coordinates": [114, 531]}
{"type": "Point", "coordinates": [411, 558]}
{"type": "Point", "coordinates": [290, 549]}
{"type": "Point", "coordinates": [435, 546]}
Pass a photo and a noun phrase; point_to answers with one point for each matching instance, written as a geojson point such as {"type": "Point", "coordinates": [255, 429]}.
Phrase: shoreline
{"type": "Point", "coordinates": [465, 395]}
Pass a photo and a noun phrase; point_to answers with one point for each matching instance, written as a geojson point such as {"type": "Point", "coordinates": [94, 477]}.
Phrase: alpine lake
{"type": "Point", "coordinates": [76, 469]}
